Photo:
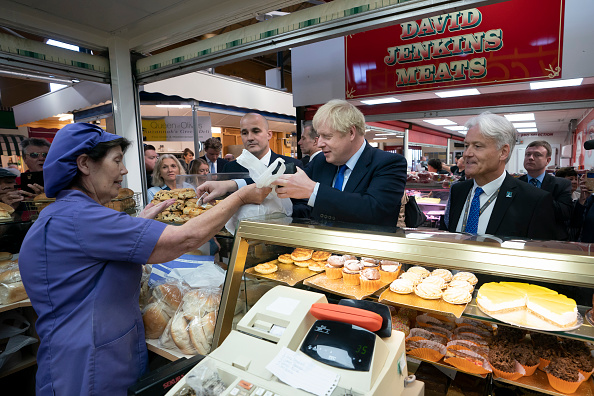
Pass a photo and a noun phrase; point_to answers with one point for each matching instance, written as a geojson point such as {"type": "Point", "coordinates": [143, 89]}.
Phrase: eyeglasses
{"type": "Point", "coordinates": [36, 155]}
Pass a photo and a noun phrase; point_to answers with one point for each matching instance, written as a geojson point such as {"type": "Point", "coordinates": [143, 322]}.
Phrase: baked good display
{"type": "Point", "coordinates": [435, 280]}
{"type": "Point", "coordinates": [411, 276]}
{"type": "Point", "coordinates": [369, 279]}
{"type": "Point", "coordinates": [6, 211]}
{"type": "Point", "coordinates": [305, 263]}
{"type": "Point", "coordinates": [422, 271]}
{"type": "Point", "coordinates": [554, 308]}
{"type": "Point", "coordinates": [401, 323]}
{"type": "Point", "coordinates": [564, 375]}
{"type": "Point", "coordinates": [317, 266]}
{"type": "Point", "coordinates": [184, 208]}
{"type": "Point", "coordinates": [445, 274]}
{"type": "Point", "coordinates": [319, 255]}
{"type": "Point", "coordinates": [301, 254]}
{"type": "Point", "coordinates": [266, 268]}
{"type": "Point", "coordinates": [402, 286]}
{"type": "Point", "coordinates": [285, 259]}
{"type": "Point", "coordinates": [465, 276]}
{"type": "Point", "coordinates": [351, 272]}
{"type": "Point", "coordinates": [461, 284]}
{"type": "Point", "coordinates": [428, 291]}
{"type": "Point", "coordinates": [457, 295]}
{"type": "Point", "coordinates": [349, 257]}
{"type": "Point", "coordinates": [369, 262]}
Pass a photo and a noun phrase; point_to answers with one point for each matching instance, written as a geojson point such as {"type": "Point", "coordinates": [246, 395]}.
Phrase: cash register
{"type": "Point", "coordinates": [280, 348]}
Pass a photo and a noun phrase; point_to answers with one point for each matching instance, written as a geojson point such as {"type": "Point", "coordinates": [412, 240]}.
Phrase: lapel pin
{"type": "Point", "coordinates": [508, 194]}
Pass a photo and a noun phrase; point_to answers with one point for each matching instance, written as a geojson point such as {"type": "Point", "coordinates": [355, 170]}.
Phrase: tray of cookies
{"type": "Point", "coordinates": [431, 291]}
{"type": "Point", "coordinates": [352, 278]}
{"type": "Point", "coordinates": [183, 209]}
{"type": "Point", "coordinates": [291, 268]}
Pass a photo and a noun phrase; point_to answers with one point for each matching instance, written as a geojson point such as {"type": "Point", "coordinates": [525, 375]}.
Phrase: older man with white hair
{"type": "Point", "coordinates": [494, 202]}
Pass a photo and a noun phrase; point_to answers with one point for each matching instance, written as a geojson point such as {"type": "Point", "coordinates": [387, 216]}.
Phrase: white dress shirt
{"type": "Point", "coordinates": [489, 189]}
{"type": "Point", "coordinates": [347, 173]}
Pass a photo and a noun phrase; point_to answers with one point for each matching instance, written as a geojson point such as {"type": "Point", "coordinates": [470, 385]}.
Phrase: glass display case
{"type": "Point", "coordinates": [432, 198]}
{"type": "Point", "coordinates": [565, 267]}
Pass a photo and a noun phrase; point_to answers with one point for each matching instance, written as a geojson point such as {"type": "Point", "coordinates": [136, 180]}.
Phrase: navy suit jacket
{"type": "Point", "coordinates": [560, 188]}
{"type": "Point", "coordinates": [520, 210]}
{"type": "Point", "coordinates": [234, 167]}
{"type": "Point", "coordinates": [220, 164]}
{"type": "Point", "coordinates": [371, 195]}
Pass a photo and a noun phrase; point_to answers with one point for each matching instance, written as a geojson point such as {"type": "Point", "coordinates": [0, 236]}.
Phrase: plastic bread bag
{"type": "Point", "coordinates": [12, 326]}
{"type": "Point", "coordinates": [10, 274]}
{"type": "Point", "coordinates": [145, 292]}
{"type": "Point", "coordinates": [164, 301]}
{"type": "Point", "coordinates": [263, 177]}
{"type": "Point", "coordinates": [192, 326]}
{"type": "Point", "coordinates": [204, 379]}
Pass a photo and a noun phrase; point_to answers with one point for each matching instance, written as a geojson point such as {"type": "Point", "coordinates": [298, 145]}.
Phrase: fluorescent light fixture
{"type": "Point", "coordinates": [524, 124]}
{"type": "Point", "coordinates": [374, 144]}
{"type": "Point", "coordinates": [380, 101]}
{"type": "Point", "coordinates": [216, 130]}
{"type": "Point", "coordinates": [456, 128]}
{"type": "Point", "coordinates": [176, 106]}
{"type": "Point", "coordinates": [440, 121]}
{"type": "Point", "coordinates": [523, 130]}
{"type": "Point", "coordinates": [385, 134]}
{"type": "Point", "coordinates": [459, 92]}
{"type": "Point", "coordinates": [556, 83]}
{"type": "Point", "coordinates": [520, 117]}
{"type": "Point", "coordinates": [60, 44]}
{"type": "Point", "coordinates": [56, 87]}
{"type": "Point", "coordinates": [376, 138]}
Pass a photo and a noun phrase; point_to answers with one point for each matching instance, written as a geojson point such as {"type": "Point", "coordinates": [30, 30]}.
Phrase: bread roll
{"type": "Point", "coordinates": [5, 256]}
{"type": "Point", "coordinates": [12, 292]}
{"type": "Point", "coordinates": [165, 340]}
{"type": "Point", "coordinates": [155, 320]}
{"type": "Point", "coordinates": [198, 302]}
{"type": "Point", "coordinates": [181, 336]}
{"type": "Point", "coordinates": [197, 336]}
{"type": "Point", "coordinates": [209, 321]}
{"type": "Point", "coordinates": [4, 207]}
{"type": "Point", "coordinates": [124, 193]}
{"type": "Point", "coordinates": [10, 276]}
{"type": "Point", "coordinates": [170, 295]}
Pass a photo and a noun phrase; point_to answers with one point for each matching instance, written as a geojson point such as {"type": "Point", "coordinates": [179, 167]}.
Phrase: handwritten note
{"type": "Point", "coordinates": [299, 371]}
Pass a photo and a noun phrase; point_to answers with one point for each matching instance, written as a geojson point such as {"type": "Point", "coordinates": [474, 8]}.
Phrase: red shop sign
{"type": "Point", "coordinates": [512, 41]}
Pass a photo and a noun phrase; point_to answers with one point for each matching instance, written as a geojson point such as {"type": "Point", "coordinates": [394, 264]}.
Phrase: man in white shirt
{"type": "Point", "coordinates": [352, 181]}
{"type": "Point", "coordinates": [309, 143]}
{"type": "Point", "coordinates": [494, 202]}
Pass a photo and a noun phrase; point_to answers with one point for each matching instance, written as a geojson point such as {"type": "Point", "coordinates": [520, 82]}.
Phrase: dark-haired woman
{"type": "Point", "coordinates": [81, 264]}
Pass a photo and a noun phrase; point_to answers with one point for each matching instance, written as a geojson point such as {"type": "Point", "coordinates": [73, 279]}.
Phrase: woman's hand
{"type": "Point", "coordinates": [584, 191]}
{"type": "Point", "coordinates": [251, 194]}
{"type": "Point", "coordinates": [151, 210]}
{"type": "Point", "coordinates": [215, 189]}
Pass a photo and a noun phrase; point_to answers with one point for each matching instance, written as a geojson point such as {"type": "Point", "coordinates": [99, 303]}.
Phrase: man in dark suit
{"type": "Point", "coordinates": [494, 202]}
{"type": "Point", "coordinates": [255, 135]}
{"type": "Point", "coordinates": [536, 159]}
{"type": "Point", "coordinates": [309, 143]}
{"type": "Point", "coordinates": [352, 181]}
{"type": "Point", "coordinates": [212, 152]}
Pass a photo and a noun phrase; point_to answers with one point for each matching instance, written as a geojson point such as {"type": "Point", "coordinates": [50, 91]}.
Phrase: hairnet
{"type": "Point", "coordinates": [71, 141]}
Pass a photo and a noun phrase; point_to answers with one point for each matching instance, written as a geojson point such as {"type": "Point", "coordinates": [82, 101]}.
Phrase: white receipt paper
{"type": "Point", "coordinates": [283, 305]}
{"type": "Point", "coordinates": [299, 371]}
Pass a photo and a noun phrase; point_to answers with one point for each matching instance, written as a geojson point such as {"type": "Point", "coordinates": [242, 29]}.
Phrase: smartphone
{"type": "Point", "coordinates": [31, 178]}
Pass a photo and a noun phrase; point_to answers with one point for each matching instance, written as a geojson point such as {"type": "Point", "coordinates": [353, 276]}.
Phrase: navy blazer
{"type": "Point", "coordinates": [234, 167]}
{"type": "Point", "coordinates": [220, 164]}
{"type": "Point", "coordinates": [371, 195]}
{"type": "Point", "coordinates": [560, 188]}
{"type": "Point", "coordinates": [520, 210]}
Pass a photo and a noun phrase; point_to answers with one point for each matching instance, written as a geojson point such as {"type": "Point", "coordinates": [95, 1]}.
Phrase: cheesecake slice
{"type": "Point", "coordinates": [494, 298]}
{"type": "Point", "coordinates": [529, 289]}
{"type": "Point", "coordinates": [556, 309]}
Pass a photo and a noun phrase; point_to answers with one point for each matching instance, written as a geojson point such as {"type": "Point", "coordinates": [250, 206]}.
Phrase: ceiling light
{"type": "Point", "coordinates": [520, 117]}
{"type": "Point", "coordinates": [60, 44]}
{"type": "Point", "coordinates": [385, 134]}
{"type": "Point", "coordinates": [440, 121]}
{"type": "Point", "coordinates": [65, 117]}
{"type": "Point", "coordinates": [556, 83]}
{"type": "Point", "coordinates": [376, 138]}
{"type": "Point", "coordinates": [528, 130]}
{"type": "Point", "coordinates": [176, 106]}
{"type": "Point", "coordinates": [524, 124]}
{"type": "Point", "coordinates": [456, 128]}
{"type": "Point", "coordinates": [460, 92]}
{"type": "Point", "coordinates": [216, 130]}
{"type": "Point", "coordinates": [380, 101]}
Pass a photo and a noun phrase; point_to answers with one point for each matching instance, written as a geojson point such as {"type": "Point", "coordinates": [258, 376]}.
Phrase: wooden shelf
{"type": "Point", "coordinates": [18, 304]}
{"type": "Point", "coordinates": [27, 361]}
{"type": "Point", "coordinates": [171, 354]}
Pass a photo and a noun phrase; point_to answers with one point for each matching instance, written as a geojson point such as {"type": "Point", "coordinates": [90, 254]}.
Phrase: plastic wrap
{"type": "Point", "coordinates": [162, 305]}
{"type": "Point", "coordinates": [11, 287]}
{"type": "Point", "coordinates": [205, 380]}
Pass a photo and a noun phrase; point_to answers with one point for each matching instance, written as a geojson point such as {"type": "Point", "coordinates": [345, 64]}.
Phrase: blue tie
{"type": "Point", "coordinates": [340, 177]}
{"type": "Point", "coordinates": [212, 167]}
{"type": "Point", "coordinates": [474, 212]}
{"type": "Point", "coordinates": [535, 182]}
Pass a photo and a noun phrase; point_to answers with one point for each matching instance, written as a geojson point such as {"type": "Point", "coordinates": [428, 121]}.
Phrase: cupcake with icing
{"type": "Point", "coordinates": [389, 270]}
{"type": "Point", "coordinates": [334, 267]}
{"type": "Point", "coordinates": [351, 272]}
{"type": "Point", "coordinates": [369, 262]}
{"type": "Point", "coordinates": [349, 257]}
{"type": "Point", "coordinates": [370, 279]}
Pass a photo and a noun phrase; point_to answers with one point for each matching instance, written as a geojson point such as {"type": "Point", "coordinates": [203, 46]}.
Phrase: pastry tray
{"type": "Point", "coordinates": [337, 286]}
{"type": "Point", "coordinates": [413, 301]}
{"type": "Point", "coordinates": [287, 274]}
